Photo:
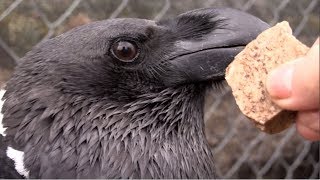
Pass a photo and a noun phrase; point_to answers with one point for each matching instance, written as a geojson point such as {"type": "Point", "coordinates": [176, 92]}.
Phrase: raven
{"type": "Point", "coordinates": [123, 98]}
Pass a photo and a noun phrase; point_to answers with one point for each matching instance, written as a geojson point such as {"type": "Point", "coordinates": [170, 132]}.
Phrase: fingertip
{"type": "Point", "coordinates": [307, 133]}
{"type": "Point", "coordinates": [295, 85]}
{"type": "Point", "coordinates": [308, 125]}
{"type": "Point", "coordinates": [279, 82]}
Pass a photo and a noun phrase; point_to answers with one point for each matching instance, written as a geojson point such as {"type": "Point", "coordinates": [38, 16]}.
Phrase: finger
{"type": "Point", "coordinates": [308, 125]}
{"type": "Point", "coordinates": [295, 85]}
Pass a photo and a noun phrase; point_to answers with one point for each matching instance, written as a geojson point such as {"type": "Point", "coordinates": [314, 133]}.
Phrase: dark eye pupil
{"type": "Point", "coordinates": [125, 51]}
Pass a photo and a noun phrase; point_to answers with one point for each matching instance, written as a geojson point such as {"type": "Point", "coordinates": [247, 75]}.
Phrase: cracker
{"type": "Point", "coordinates": [247, 76]}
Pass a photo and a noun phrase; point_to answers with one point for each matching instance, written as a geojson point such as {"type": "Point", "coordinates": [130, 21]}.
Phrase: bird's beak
{"type": "Point", "coordinates": [207, 57]}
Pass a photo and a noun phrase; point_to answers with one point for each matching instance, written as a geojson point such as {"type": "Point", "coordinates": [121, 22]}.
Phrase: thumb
{"type": "Point", "coordinates": [295, 85]}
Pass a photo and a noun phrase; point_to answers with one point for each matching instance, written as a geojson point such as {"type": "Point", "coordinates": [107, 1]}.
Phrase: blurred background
{"type": "Point", "coordinates": [240, 150]}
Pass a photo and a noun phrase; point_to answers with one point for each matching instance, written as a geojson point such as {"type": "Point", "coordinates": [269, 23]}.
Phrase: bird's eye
{"type": "Point", "coordinates": [125, 51]}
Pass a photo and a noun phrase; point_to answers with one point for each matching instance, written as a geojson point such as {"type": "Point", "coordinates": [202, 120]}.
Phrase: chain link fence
{"type": "Point", "coordinates": [240, 150]}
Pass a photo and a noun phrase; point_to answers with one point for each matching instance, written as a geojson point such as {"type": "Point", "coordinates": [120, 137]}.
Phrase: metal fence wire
{"type": "Point", "coordinates": [240, 150]}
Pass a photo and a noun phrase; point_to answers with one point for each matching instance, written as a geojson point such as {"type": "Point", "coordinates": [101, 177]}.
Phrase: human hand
{"type": "Point", "coordinates": [295, 86]}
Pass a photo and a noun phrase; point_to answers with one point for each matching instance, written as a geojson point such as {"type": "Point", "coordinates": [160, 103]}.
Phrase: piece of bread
{"type": "Point", "coordinates": [247, 75]}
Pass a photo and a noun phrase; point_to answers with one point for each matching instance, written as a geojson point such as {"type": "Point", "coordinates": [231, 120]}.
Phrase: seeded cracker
{"type": "Point", "coordinates": [247, 75]}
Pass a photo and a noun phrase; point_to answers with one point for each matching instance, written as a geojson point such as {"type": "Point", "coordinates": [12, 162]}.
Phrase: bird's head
{"type": "Point", "coordinates": [92, 91]}
{"type": "Point", "coordinates": [124, 58]}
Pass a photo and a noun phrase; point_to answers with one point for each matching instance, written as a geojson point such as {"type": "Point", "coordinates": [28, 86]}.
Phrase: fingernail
{"type": "Point", "coordinates": [279, 81]}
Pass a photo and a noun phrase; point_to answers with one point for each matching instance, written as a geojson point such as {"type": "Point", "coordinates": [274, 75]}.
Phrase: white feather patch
{"type": "Point", "coordinates": [2, 129]}
{"type": "Point", "coordinates": [17, 157]}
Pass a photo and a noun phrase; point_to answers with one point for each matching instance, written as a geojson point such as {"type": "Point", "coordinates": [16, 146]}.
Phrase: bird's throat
{"type": "Point", "coordinates": [159, 135]}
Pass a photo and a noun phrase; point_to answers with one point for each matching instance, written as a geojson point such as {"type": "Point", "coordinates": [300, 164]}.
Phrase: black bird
{"type": "Point", "coordinates": [123, 98]}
